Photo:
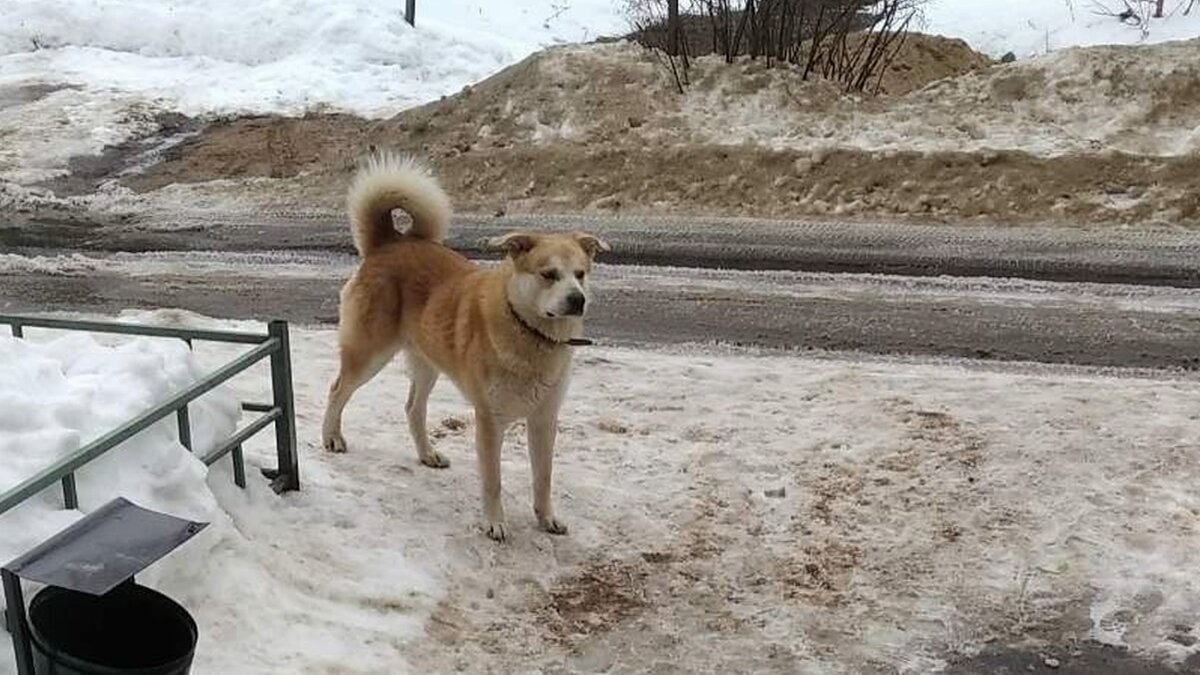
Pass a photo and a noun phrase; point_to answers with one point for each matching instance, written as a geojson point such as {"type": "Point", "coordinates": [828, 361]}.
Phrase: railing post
{"type": "Point", "coordinates": [285, 426]}
{"type": "Point", "coordinates": [15, 613]}
{"type": "Point", "coordinates": [184, 420]}
{"type": "Point", "coordinates": [239, 466]}
{"type": "Point", "coordinates": [70, 495]}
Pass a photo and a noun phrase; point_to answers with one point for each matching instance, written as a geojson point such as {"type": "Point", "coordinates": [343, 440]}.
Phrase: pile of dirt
{"type": "Point", "coordinates": [599, 127]}
{"type": "Point", "coordinates": [922, 59]}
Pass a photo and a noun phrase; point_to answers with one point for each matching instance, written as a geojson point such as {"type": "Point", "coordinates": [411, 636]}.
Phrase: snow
{"type": "Point", "coordinates": [1032, 27]}
{"type": "Point", "coordinates": [926, 510]}
{"type": "Point", "coordinates": [77, 75]}
{"type": "Point", "coordinates": [1072, 101]}
{"type": "Point", "coordinates": [60, 390]}
{"type": "Point", "coordinates": [283, 56]}
{"type": "Point", "coordinates": [59, 395]}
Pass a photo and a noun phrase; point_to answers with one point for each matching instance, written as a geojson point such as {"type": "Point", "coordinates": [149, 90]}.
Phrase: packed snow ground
{"type": "Point", "coordinates": [728, 511]}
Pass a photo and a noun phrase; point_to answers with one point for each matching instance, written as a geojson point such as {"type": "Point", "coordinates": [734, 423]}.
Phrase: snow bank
{"type": "Point", "coordinates": [236, 577]}
{"type": "Point", "coordinates": [1134, 100]}
{"type": "Point", "coordinates": [1030, 27]}
{"type": "Point", "coordinates": [285, 56]}
{"type": "Point", "coordinates": [57, 396]}
{"type": "Point", "coordinates": [79, 75]}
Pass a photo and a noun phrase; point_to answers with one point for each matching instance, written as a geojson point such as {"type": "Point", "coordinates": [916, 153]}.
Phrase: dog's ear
{"type": "Point", "coordinates": [591, 243]}
{"type": "Point", "coordinates": [513, 243]}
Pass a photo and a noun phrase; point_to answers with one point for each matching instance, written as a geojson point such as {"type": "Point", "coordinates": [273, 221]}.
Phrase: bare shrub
{"type": "Point", "coordinates": [846, 41]}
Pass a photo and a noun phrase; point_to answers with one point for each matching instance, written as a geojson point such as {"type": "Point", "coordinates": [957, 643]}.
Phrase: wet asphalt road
{"type": "Point", "coordinates": [999, 294]}
{"type": "Point", "coordinates": [1039, 322]}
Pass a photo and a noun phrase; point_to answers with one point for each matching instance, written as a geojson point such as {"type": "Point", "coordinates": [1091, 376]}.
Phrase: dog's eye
{"type": "Point", "coordinates": [550, 275]}
{"type": "Point", "coordinates": [579, 275]}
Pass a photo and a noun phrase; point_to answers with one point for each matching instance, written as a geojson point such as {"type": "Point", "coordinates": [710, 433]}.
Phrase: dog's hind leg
{"type": "Point", "coordinates": [423, 376]}
{"type": "Point", "coordinates": [357, 368]}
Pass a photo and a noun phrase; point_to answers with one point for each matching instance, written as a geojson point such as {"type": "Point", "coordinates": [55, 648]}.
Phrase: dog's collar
{"type": "Point", "coordinates": [573, 342]}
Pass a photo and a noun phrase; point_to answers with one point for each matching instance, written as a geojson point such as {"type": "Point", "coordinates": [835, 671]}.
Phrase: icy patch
{"type": "Point", "coordinates": [41, 136]}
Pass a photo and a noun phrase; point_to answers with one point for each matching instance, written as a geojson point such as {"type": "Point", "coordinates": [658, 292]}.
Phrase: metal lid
{"type": "Point", "coordinates": [104, 548]}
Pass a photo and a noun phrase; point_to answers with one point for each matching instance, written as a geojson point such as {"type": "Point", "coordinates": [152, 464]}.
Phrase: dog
{"type": "Point", "coordinates": [503, 335]}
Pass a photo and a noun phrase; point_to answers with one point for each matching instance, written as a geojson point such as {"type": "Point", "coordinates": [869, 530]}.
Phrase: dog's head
{"type": "Point", "coordinates": [551, 271]}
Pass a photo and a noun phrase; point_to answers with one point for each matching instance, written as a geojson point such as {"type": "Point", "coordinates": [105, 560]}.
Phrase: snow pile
{"type": "Point", "coordinates": [1030, 27]}
{"type": "Point", "coordinates": [78, 75]}
{"type": "Point", "coordinates": [1139, 101]}
{"type": "Point", "coordinates": [57, 396]}
{"type": "Point", "coordinates": [285, 56]}
{"type": "Point", "coordinates": [1136, 100]}
{"type": "Point", "coordinates": [245, 585]}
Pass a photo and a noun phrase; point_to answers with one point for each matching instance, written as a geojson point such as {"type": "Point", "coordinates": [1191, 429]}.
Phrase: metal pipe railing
{"type": "Point", "coordinates": [68, 465]}
{"type": "Point", "coordinates": [185, 334]}
{"type": "Point", "coordinates": [274, 345]}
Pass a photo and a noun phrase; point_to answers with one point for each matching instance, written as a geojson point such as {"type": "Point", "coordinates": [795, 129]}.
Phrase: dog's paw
{"type": "Point", "coordinates": [435, 460]}
{"type": "Point", "coordinates": [335, 443]}
{"type": "Point", "coordinates": [496, 531]}
{"type": "Point", "coordinates": [553, 525]}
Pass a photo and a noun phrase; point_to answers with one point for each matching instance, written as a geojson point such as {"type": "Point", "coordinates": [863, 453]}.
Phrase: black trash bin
{"type": "Point", "coordinates": [131, 629]}
{"type": "Point", "coordinates": [92, 618]}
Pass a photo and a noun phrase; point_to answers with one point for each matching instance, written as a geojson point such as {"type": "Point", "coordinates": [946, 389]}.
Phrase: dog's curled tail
{"type": "Point", "coordinates": [389, 181]}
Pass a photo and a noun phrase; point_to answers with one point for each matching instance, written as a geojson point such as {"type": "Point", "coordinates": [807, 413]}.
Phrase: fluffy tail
{"type": "Point", "coordinates": [389, 181]}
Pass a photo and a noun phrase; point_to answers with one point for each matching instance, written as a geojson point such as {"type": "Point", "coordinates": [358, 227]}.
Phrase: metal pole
{"type": "Point", "coordinates": [410, 12]}
{"type": "Point", "coordinates": [17, 626]}
{"type": "Point", "coordinates": [70, 495]}
{"type": "Point", "coordinates": [133, 329]}
{"type": "Point", "coordinates": [184, 421]}
{"type": "Point", "coordinates": [239, 467]}
{"type": "Point", "coordinates": [285, 426]}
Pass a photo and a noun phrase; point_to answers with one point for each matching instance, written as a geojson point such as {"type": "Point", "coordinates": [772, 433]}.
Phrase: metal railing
{"type": "Point", "coordinates": [280, 412]}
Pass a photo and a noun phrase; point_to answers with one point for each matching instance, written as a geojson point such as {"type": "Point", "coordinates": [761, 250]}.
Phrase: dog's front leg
{"type": "Point", "coordinates": [489, 436]}
{"type": "Point", "coordinates": [541, 431]}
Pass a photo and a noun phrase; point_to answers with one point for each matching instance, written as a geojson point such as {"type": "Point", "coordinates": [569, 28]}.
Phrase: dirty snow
{"type": "Point", "coordinates": [54, 124]}
{"type": "Point", "coordinates": [832, 516]}
{"type": "Point", "coordinates": [1134, 100]}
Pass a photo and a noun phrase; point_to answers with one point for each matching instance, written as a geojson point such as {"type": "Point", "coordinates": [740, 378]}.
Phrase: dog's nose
{"type": "Point", "coordinates": [575, 303]}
